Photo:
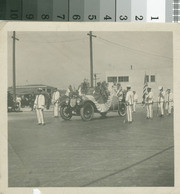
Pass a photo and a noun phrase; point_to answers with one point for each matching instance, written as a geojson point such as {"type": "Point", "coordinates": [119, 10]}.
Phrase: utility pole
{"type": "Point", "coordinates": [91, 56]}
{"type": "Point", "coordinates": [14, 64]}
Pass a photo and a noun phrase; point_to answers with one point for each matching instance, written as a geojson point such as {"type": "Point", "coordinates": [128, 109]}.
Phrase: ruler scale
{"type": "Point", "coordinates": [76, 10]}
{"type": "Point", "coordinates": [44, 10]}
{"type": "Point", "coordinates": [13, 10]}
{"type": "Point", "coordinates": [169, 10]}
{"type": "Point", "coordinates": [138, 10]}
{"type": "Point", "coordinates": [156, 11]}
{"type": "Point", "coordinates": [176, 11]}
{"type": "Point", "coordinates": [123, 10]}
{"type": "Point", "coordinates": [29, 9]}
{"type": "Point", "coordinates": [2, 9]}
{"type": "Point", "coordinates": [60, 10]}
{"type": "Point", "coordinates": [107, 10]}
{"type": "Point", "coordinates": [91, 10]}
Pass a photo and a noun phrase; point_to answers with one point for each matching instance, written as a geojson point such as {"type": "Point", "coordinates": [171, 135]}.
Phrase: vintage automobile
{"type": "Point", "coordinates": [85, 106]}
{"type": "Point", "coordinates": [12, 106]}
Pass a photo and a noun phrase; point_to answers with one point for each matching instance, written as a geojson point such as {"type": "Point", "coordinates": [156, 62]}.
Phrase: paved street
{"type": "Point", "coordinates": [102, 152]}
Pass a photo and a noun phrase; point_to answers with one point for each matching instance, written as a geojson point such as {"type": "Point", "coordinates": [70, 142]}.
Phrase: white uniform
{"type": "Point", "coordinates": [18, 99]}
{"type": "Point", "coordinates": [55, 101]}
{"type": "Point", "coordinates": [135, 100]}
{"type": "Point", "coordinates": [67, 92]}
{"type": "Point", "coordinates": [161, 101]}
{"type": "Point", "coordinates": [129, 101]}
{"type": "Point", "coordinates": [39, 105]}
{"type": "Point", "coordinates": [169, 102]}
{"type": "Point", "coordinates": [149, 104]}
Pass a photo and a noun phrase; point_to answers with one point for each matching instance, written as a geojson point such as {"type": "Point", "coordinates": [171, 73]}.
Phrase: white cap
{"type": "Point", "coordinates": [160, 87]}
{"type": "Point", "coordinates": [40, 89]}
{"type": "Point", "coordinates": [128, 86]}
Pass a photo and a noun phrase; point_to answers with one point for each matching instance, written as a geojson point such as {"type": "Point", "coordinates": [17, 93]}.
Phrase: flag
{"type": "Point", "coordinates": [145, 88]}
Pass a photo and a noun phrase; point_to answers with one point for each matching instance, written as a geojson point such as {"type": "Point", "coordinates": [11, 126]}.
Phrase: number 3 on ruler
{"type": "Point", "coordinates": [123, 17]}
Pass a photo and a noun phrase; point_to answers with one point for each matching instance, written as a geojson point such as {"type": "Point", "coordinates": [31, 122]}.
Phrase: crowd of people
{"type": "Point", "coordinates": [164, 101]}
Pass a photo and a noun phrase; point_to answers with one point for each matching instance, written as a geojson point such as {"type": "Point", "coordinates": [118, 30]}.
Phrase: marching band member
{"type": "Point", "coordinates": [149, 103]}
{"type": "Point", "coordinates": [169, 101]}
{"type": "Point", "coordinates": [135, 100]}
{"type": "Point", "coordinates": [129, 103]}
{"type": "Point", "coordinates": [39, 105]}
{"type": "Point", "coordinates": [55, 102]}
{"type": "Point", "coordinates": [161, 100]}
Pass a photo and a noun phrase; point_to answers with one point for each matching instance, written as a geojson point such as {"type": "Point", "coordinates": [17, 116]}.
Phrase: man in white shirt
{"type": "Point", "coordinates": [135, 100]}
{"type": "Point", "coordinates": [39, 105]}
{"type": "Point", "coordinates": [149, 103]}
{"type": "Point", "coordinates": [169, 101]}
{"type": "Point", "coordinates": [161, 100]}
{"type": "Point", "coordinates": [55, 102]}
{"type": "Point", "coordinates": [129, 103]}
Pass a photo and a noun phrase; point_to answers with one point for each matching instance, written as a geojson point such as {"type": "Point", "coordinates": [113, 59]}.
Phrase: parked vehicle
{"type": "Point", "coordinates": [12, 106]}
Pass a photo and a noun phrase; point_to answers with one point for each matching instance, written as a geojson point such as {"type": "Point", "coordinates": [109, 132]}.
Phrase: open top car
{"type": "Point", "coordinates": [85, 105]}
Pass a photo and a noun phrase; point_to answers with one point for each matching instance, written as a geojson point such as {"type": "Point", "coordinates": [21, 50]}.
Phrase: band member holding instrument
{"type": "Point", "coordinates": [55, 102]}
{"type": "Point", "coordinates": [169, 101]}
{"type": "Point", "coordinates": [129, 103]}
{"type": "Point", "coordinates": [161, 100]}
{"type": "Point", "coordinates": [135, 100]}
{"type": "Point", "coordinates": [39, 105]}
{"type": "Point", "coordinates": [149, 103]}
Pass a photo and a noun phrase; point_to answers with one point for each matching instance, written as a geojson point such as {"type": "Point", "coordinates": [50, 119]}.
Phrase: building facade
{"type": "Point", "coordinates": [155, 78]}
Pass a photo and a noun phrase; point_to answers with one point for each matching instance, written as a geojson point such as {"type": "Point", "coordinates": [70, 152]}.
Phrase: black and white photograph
{"type": "Point", "coordinates": [90, 109]}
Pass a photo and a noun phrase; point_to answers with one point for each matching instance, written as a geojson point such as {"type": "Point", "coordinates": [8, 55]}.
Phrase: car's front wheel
{"type": "Point", "coordinates": [122, 109]}
{"type": "Point", "coordinates": [87, 112]}
{"type": "Point", "coordinates": [65, 112]}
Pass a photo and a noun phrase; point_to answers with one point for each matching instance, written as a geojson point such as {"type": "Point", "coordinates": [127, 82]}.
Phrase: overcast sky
{"type": "Point", "coordinates": [62, 58]}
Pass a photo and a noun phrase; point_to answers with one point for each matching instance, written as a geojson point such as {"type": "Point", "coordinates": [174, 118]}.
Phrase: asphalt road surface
{"type": "Point", "coordinates": [99, 153]}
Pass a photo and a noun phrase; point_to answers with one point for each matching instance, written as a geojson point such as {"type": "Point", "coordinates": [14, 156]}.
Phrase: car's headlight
{"type": "Point", "coordinates": [78, 101]}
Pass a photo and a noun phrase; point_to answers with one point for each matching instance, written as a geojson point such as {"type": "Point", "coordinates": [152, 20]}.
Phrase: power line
{"type": "Point", "coordinates": [117, 44]}
{"type": "Point", "coordinates": [64, 41]}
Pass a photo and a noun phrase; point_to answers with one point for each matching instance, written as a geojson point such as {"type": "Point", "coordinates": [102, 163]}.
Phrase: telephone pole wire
{"type": "Point", "coordinates": [91, 56]}
{"type": "Point", "coordinates": [14, 64]}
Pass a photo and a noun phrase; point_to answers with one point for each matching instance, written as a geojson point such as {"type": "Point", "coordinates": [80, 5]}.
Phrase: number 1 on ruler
{"type": "Point", "coordinates": [155, 10]}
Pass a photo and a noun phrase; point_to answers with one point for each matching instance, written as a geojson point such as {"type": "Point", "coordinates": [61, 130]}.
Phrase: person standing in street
{"type": "Point", "coordinates": [129, 103]}
{"type": "Point", "coordinates": [149, 103]}
{"type": "Point", "coordinates": [169, 101]}
{"type": "Point", "coordinates": [135, 100]}
{"type": "Point", "coordinates": [161, 101]}
{"type": "Point", "coordinates": [39, 105]}
{"type": "Point", "coordinates": [55, 102]}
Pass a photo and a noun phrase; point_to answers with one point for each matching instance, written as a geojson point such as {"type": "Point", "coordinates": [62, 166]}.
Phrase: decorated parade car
{"type": "Point", "coordinates": [87, 101]}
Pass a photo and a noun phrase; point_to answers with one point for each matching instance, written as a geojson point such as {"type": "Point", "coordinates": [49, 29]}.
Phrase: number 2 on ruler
{"type": "Point", "coordinates": [139, 17]}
